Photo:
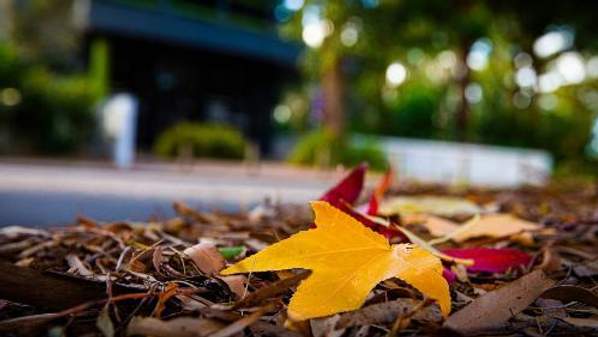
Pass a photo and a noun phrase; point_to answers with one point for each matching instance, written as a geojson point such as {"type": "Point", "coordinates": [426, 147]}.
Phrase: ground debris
{"type": "Point", "coordinates": [161, 278]}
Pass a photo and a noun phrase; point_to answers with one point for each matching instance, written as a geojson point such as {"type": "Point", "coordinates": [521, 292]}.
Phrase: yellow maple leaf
{"type": "Point", "coordinates": [347, 260]}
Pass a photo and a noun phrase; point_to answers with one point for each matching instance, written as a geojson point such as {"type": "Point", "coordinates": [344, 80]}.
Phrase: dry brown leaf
{"type": "Point", "coordinates": [567, 293]}
{"type": "Point", "coordinates": [239, 325]}
{"type": "Point", "coordinates": [551, 260]}
{"type": "Point", "coordinates": [104, 323]}
{"type": "Point", "coordinates": [27, 325]}
{"type": "Point", "coordinates": [491, 225]}
{"type": "Point", "coordinates": [169, 291]}
{"type": "Point", "coordinates": [496, 226]}
{"type": "Point", "coordinates": [206, 257]}
{"type": "Point", "coordinates": [494, 309]}
{"type": "Point", "coordinates": [551, 308]}
{"type": "Point", "coordinates": [272, 290]}
{"type": "Point", "coordinates": [387, 312]}
{"type": "Point", "coordinates": [178, 327]}
{"type": "Point", "coordinates": [236, 284]}
{"type": "Point", "coordinates": [586, 270]}
{"type": "Point", "coordinates": [260, 328]}
{"type": "Point", "coordinates": [77, 266]}
{"type": "Point", "coordinates": [589, 322]}
{"type": "Point", "coordinates": [326, 327]}
{"type": "Point", "coordinates": [435, 225]}
{"type": "Point", "coordinates": [158, 258]}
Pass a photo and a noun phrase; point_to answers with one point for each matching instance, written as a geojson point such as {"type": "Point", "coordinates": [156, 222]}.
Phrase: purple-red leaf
{"type": "Point", "coordinates": [492, 260]}
{"type": "Point", "coordinates": [348, 189]}
{"type": "Point", "coordinates": [449, 275]}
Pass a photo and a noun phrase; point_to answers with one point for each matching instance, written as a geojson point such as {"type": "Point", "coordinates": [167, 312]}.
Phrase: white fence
{"type": "Point", "coordinates": [447, 162]}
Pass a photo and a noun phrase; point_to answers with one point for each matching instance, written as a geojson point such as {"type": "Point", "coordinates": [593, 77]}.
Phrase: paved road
{"type": "Point", "coordinates": [33, 194]}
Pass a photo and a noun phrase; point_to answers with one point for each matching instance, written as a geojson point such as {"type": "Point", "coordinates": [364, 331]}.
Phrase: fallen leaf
{"type": "Point", "coordinates": [586, 270]}
{"type": "Point", "coordinates": [239, 325]}
{"type": "Point", "coordinates": [551, 260]}
{"type": "Point", "coordinates": [13, 232]}
{"type": "Point", "coordinates": [491, 260]}
{"type": "Point", "coordinates": [387, 312]}
{"type": "Point", "coordinates": [345, 193]}
{"type": "Point", "coordinates": [261, 328]}
{"type": "Point", "coordinates": [568, 293]}
{"type": "Point", "coordinates": [551, 308]}
{"type": "Point", "coordinates": [77, 266]}
{"type": "Point", "coordinates": [169, 291]}
{"type": "Point", "coordinates": [449, 275]}
{"type": "Point", "coordinates": [231, 252]}
{"type": "Point", "coordinates": [589, 322]}
{"type": "Point", "coordinates": [348, 189]}
{"type": "Point", "coordinates": [493, 309]}
{"type": "Point", "coordinates": [206, 257]}
{"type": "Point", "coordinates": [27, 325]}
{"type": "Point", "coordinates": [372, 222]}
{"type": "Point", "coordinates": [496, 226]}
{"type": "Point", "coordinates": [378, 194]}
{"type": "Point", "coordinates": [347, 260]}
{"type": "Point", "coordinates": [270, 291]}
{"type": "Point", "coordinates": [158, 258]}
{"type": "Point", "coordinates": [437, 205]}
{"type": "Point", "coordinates": [427, 246]}
{"type": "Point", "coordinates": [177, 327]}
{"type": "Point", "coordinates": [325, 327]}
{"type": "Point", "coordinates": [104, 323]}
{"type": "Point", "coordinates": [435, 225]}
{"type": "Point", "coordinates": [236, 284]}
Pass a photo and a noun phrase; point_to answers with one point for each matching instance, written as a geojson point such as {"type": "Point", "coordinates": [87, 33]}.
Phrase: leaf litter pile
{"type": "Point", "coordinates": [399, 260]}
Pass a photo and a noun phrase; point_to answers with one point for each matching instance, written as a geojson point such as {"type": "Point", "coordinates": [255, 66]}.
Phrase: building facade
{"type": "Point", "coordinates": [217, 61]}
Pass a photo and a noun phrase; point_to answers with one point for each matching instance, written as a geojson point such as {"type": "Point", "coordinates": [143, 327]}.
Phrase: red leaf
{"type": "Point", "coordinates": [449, 275]}
{"type": "Point", "coordinates": [373, 205]}
{"type": "Point", "coordinates": [492, 260]}
{"type": "Point", "coordinates": [348, 189]}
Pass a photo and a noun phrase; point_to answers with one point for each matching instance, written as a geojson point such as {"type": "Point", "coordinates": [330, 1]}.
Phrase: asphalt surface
{"type": "Point", "coordinates": [42, 194]}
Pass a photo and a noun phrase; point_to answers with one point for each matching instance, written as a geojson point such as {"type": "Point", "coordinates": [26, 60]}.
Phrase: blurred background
{"type": "Point", "coordinates": [107, 106]}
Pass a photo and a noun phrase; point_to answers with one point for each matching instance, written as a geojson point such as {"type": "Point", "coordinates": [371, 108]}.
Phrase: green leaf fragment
{"type": "Point", "coordinates": [231, 252]}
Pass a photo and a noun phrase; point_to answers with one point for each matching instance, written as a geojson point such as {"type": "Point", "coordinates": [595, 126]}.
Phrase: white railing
{"type": "Point", "coordinates": [449, 162]}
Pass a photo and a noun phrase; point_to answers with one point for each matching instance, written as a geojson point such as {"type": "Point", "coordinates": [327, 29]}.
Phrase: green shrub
{"type": "Point", "coordinates": [321, 148]}
{"type": "Point", "coordinates": [51, 114]}
{"type": "Point", "coordinates": [56, 114]}
{"type": "Point", "coordinates": [201, 140]}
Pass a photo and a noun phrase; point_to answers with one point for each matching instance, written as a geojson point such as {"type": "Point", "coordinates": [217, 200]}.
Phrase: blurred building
{"type": "Point", "coordinates": [205, 60]}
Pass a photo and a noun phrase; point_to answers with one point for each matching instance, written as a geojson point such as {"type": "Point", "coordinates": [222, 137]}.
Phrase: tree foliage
{"type": "Point", "coordinates": [435, 40]}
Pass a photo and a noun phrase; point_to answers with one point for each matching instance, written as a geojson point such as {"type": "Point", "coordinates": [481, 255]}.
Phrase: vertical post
{"type": "Point", "coordinates": [119, 116]}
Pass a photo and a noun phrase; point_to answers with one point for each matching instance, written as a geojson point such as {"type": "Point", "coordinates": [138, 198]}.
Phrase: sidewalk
{"type": "Point", "coordinates": [49, 192]}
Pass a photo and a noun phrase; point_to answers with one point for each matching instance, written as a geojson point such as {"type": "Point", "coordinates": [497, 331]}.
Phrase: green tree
{"type": "Point", "coordinates": [352, 43]}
